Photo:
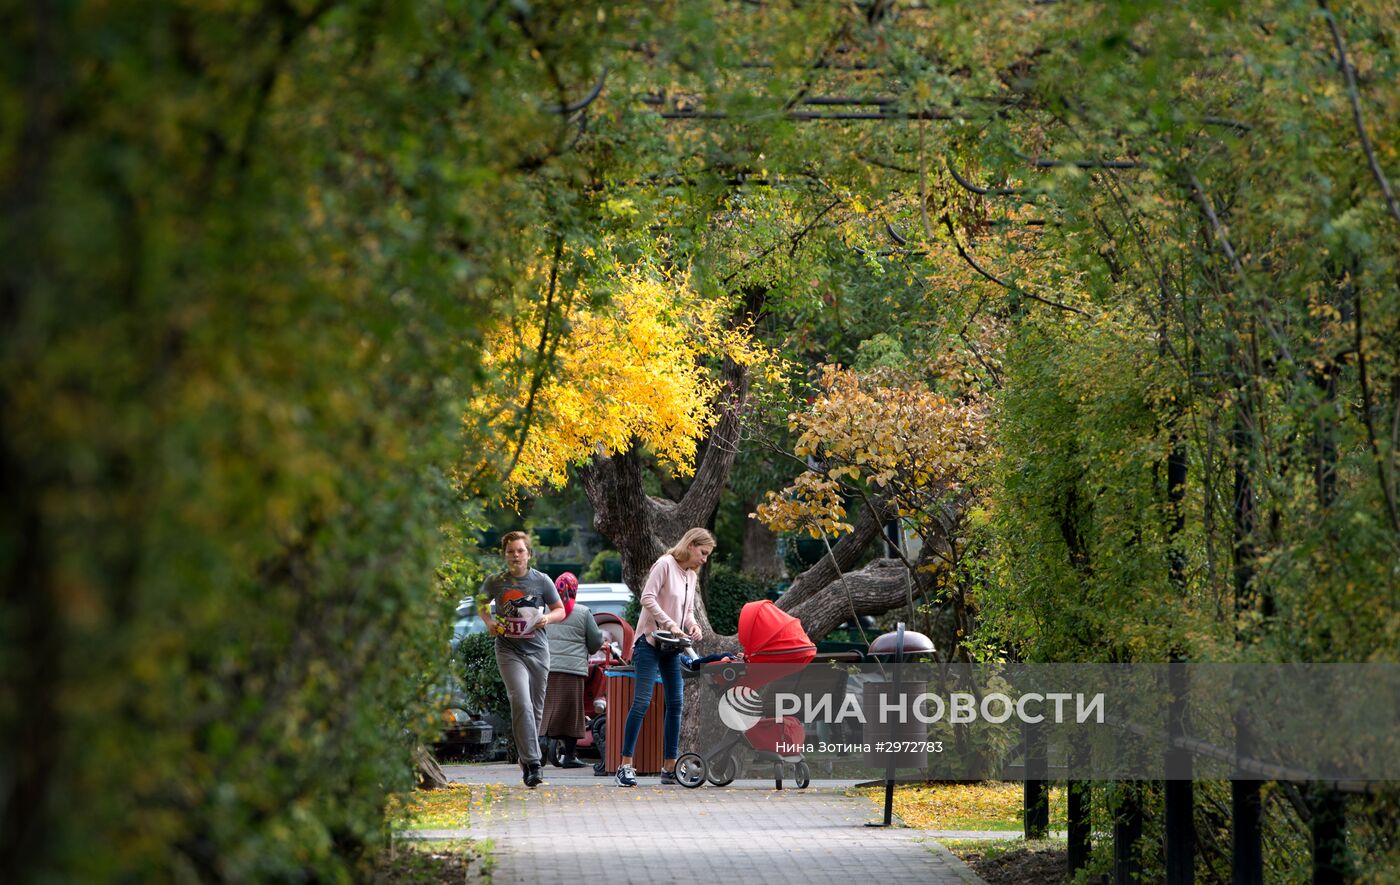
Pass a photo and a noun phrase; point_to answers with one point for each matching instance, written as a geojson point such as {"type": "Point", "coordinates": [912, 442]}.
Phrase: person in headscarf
{"type": "Point", "coordinates": [571, 641]}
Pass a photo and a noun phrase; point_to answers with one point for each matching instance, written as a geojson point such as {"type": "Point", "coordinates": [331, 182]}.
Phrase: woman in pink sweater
{"type": "Point", "coordinates": [668, 603]}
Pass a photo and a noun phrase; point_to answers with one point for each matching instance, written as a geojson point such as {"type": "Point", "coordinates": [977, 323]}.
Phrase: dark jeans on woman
{"type": "Point", "coordinates": [647, 662]}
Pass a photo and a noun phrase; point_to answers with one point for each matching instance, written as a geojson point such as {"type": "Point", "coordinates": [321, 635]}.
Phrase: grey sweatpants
{"type": "Point", "coordinates": [525, 673]}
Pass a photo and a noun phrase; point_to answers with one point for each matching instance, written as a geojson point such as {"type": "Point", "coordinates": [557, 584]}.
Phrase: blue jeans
{"type": "Point", "coordinates": [647, 661]}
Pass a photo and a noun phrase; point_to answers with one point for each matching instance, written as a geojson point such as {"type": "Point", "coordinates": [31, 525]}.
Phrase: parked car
{"type": "Point", "coordinates": [466, 621]}
{"type": "Point", "coordinates": [611, 598]}
{"type": "Point", "coordinates": [464, 732]}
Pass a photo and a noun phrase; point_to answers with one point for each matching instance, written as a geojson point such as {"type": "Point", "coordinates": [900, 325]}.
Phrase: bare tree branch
{"type": "Point", "coordinates": [1350, 74]}
{"type": "Point", "coordinates": [1223, 238]}
{"type": "Point", "coordinates": [702, 497]}
{"type": "Point", "coordinates": [985, 191]}
{"type": "Point", "coordinates": [875, 589]}
{"type": "Point", "coordinates": [587, 99]}
{"type": "Point", "coordinates": [1387, 489]}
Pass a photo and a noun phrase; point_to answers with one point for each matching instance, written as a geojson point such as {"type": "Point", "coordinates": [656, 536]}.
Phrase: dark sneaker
{"type": "Point", "coordinates": [668, 778]}
{"type": "Point", "coordinates": [626, 776]}
{"type": "Point", "coordinates": [571, 762]}
{"type": "Point", "coordinates": [533, 777]}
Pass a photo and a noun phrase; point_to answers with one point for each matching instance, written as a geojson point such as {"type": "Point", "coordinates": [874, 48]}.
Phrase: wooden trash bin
{"type": "Point", "coordinates": [647, 756]}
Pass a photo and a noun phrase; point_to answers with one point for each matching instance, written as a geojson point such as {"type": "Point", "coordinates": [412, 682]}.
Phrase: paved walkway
{"type": "Point", "coordinates": [578, 828]}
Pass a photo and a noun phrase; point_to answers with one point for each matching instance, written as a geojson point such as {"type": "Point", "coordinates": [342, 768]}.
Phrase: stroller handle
{"type": "Point", "coordinates": [719, 671]}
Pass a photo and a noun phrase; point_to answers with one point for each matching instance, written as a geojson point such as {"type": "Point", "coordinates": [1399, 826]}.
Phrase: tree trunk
{"type": "Point", "coordinates": [621, 513]}
{"type": "Point", "coordinates": [642, 527]}
{"type": "Point", "coordinates": [760, 555]}
{"type": "Point", "coordinates": [430, 774]}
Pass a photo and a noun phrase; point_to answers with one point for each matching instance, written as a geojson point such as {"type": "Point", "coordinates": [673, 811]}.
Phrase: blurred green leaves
{"type": "Point", "coordinates": [249, 250]}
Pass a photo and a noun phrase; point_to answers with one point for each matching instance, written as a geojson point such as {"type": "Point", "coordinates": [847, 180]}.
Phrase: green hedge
{"type": "Point", "coordinates": [481, 680]}
{"type": "Point", "coordinates": [250, 252]}
{"type": "Point", "coordinates": [726, 592]}
{"type": "Point", "coordinates": [606, 567]}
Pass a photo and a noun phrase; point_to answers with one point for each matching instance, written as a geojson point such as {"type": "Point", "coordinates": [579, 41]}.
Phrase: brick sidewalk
{"type": "Point", "coordinates": [581, 829]}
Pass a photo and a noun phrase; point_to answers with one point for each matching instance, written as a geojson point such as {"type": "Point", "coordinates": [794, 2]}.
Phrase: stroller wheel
{"type": "Point", "coordinates": [722, 772]}
{"type": "Point", "coordinates": [553, 751]}
{"type": "Point", "coordinates": [598, 727]}
{"type": "Point", "coordinates": [803, 775]}
{"type": "Point", "coordinates": [690, 770]}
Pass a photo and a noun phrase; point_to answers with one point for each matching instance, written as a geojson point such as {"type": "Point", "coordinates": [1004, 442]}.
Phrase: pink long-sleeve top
{"type": "Point", "coordinates": [668, 599]}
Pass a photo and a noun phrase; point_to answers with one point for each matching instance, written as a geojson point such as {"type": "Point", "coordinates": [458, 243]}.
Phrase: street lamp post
{"type": "Point", "coordinates": [897, 643]}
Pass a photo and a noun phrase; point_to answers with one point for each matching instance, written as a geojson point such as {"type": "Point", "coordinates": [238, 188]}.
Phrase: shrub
{"type": "Point", "coordinates": [481, 681]}
{"type": "Point", "coordinates": [606, 566]}
{"type": "Point", "coordinates": [726, 592]}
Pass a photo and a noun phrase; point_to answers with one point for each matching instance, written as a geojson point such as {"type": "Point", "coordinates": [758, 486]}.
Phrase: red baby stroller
{"type": "Point", "coordinates": [775, 646]}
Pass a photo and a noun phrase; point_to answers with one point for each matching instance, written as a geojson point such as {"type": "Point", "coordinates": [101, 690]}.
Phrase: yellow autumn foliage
{"type": "Point", "coordinates": [641, 365]}
{"type": "Point", "coordinates": [889, 436]}
{"type": "Point", "coordinates": [987, 805]}
{"type": "Point", "coordinates": [455, 806]}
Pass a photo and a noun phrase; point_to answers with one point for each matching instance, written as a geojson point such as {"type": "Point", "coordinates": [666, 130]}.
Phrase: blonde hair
{"type": "Point", "coordinates": [692, 538]}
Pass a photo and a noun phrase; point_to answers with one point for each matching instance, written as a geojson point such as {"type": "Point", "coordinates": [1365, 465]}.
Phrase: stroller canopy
{"type": "Point", "coordinates": [770, 635]}
{"type": "Point", "coordinates": [616, 629]}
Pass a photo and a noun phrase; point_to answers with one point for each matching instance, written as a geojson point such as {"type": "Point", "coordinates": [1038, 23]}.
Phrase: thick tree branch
{"type": "Point", "coordinates": [873, 590]}
{"type": "Point", "coordinates": [712, 474]}
{"type": "Point", "coordinates": [846, 551]}
{"type": "Point", "coordinates": [640, 526]}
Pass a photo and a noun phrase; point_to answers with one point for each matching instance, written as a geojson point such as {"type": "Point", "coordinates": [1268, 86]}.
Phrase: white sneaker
{"type": "Point", "coordinates": [626, 776]}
